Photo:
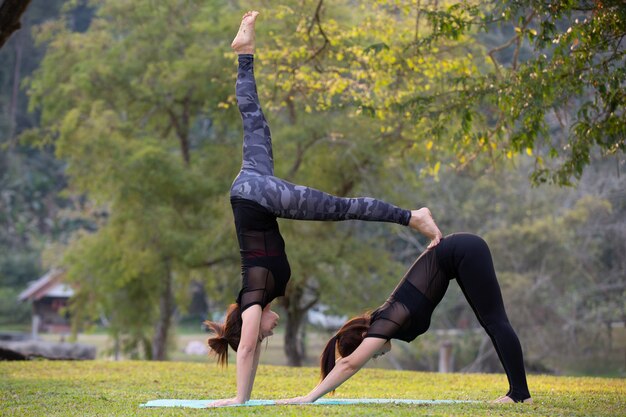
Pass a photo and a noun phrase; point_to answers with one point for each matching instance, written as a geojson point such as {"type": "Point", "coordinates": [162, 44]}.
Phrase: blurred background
{"type": "Point", "coordinates": [120, 137]}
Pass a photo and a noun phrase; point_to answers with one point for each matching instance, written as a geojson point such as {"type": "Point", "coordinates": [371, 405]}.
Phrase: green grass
{"type": "Point", "coordinates": [56, 388]}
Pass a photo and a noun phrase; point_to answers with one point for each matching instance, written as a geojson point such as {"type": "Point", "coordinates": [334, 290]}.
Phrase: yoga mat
{"type": "Point", "coordinates": [342, 401]}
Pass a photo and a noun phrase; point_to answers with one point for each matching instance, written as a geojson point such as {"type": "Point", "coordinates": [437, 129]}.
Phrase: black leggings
{"type": "Point", "coordinates": [467, 257]}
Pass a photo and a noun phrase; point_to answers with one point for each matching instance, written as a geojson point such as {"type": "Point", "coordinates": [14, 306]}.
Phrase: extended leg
{"type": "Point", "coordinates": [477, 278]}
{"type": "Point", "coordinates": [257, 141]}
{"type": "Point", "coordinates": [293, 201]}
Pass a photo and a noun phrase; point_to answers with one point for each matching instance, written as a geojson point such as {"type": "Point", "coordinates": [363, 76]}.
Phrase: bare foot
{"type": "Point", "coordinates": [508, 400]}
{"type": "Point", "coordinates": [422, 221]}
{"type": "Point", "coordinates": [244, 41]}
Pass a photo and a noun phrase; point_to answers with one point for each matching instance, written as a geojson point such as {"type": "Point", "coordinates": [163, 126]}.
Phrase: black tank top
{"type": "Point", "coordinates": [406, 313]}
{"type": "Point", "coordinates": [265, 270]}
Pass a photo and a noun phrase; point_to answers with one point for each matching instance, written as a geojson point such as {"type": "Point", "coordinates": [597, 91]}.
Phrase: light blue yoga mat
{"type": "Point", "coordinates": [251, 403]}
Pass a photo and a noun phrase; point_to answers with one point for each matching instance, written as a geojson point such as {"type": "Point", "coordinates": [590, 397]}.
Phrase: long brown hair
{"type": "Point", "coordinates": [227, 333]}
{"type": "Point", "coordinates": [345, 341]}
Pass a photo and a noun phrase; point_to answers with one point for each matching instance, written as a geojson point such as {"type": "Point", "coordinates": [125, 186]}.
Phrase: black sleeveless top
{"type": "Point", "coordinates": [406, 313]}
{"type": "Point", "coordinates": [265, 269]}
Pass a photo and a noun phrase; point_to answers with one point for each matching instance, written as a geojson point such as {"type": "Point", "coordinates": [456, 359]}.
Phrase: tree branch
{"type": "Point", "coordinates": [417, 24]}
{"type": "Point", "coordinates": [182, 130]}
{"type": "Point", "coordinates": [515, 39]}
{"type": "Point", "coordinates": [317, 21]}
{"type": "Point", "coordinates": [300, 156]}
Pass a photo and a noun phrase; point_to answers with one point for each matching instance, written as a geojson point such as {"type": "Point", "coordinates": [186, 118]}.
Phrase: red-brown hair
{"type": "Point", "coordinates": [227, 333]}
{"type": "Point", "coordinates": [345, 341]}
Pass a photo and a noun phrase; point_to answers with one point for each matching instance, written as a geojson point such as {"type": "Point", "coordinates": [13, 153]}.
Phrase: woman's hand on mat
{"type": "Point", "coordinates": [222, 403]}
{"type": "Point", "coordinates": [296, 400]}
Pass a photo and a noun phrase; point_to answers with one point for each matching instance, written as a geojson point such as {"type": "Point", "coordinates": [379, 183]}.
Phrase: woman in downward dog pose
{"type": "Point", "coordinates": [406, 314]}
{"type": "Point", "coordinates": [258, 198]}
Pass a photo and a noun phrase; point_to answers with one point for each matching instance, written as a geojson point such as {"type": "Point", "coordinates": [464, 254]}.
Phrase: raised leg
{"type": "Point", "coordinates": [257, 141]}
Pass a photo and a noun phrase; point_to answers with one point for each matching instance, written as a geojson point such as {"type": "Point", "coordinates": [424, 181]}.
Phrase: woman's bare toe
{"type": "Point", "coordinates": [422, 221]}
{"type": "Point", "coordinates": [505, 399]}
{"type": "Point", "coordinates": [244, 40]}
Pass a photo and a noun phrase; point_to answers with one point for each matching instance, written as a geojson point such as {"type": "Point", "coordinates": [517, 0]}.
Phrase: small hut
{"type": "Point", "coordinates": [49, 296]}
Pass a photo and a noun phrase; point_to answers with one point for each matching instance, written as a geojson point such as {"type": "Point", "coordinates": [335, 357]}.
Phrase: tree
{"type": "Point", "coordinates": [333, 83]}
{"type": "Point", "coordinates": [30, 179]}
{"type": "Point", "coordinates": [129, 130]}
{"type": "Point", "coordinates": [574, 292]}
{"type": "Point", "coordinates": [127, 104]}
{"type": "Point", "coordinates": [554, 87]}
{"type": "Point", "coordinates": [555, 252]}
{"type": "Point", "coordinates": [382, 103]}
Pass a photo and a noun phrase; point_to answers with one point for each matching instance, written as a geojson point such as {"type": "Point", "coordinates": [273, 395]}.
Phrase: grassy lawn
{"type": "Point", "coordinates": [118, 388]}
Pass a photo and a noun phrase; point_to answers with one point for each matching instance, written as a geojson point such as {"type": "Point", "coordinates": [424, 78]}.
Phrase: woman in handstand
{"type": "Point", "coordinates": [258, 198]}
{"type": "Point", "coordinates": [406, 314]}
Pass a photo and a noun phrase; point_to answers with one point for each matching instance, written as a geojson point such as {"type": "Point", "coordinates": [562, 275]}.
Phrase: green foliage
{"type": "Point", "coordinates": [29, 219]}
{"type": "Point", "coordinates": [118, 388]}
{"type": "Point", "coordinates": [571, 292]}
{"type": "Point", "coordinates": [331, 89]}
{"type": "Point", "coordinates": [554, 252]}
{"type": "Point", "coordinates": [364, 67]}
{"type": "Point", "coordinates": [123, 103]}
{"type": "Point", "coordinates": [30, 179]}
{"type": "Point", "coordinates": [396, 99]}
{"type": "Point", "coordinates": [11, 310]}
{"type": "Point", "coordinates": [554, 88]}
{"type": "Point", "coordinates": [19, 57]}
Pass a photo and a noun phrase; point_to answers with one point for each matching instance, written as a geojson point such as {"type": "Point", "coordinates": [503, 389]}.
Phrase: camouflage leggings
{"type": "Point", "coordinates": [256, 180]}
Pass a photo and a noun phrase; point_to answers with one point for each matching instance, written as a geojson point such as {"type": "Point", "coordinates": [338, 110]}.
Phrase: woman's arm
{"type": "Point", "coordinates": [343, 370]}
{"type": "Point", "coordinates": [246, 352]}
{"type": "Point", "coordinates": [247, 356]}
{"type": "Point", "coordinates": [255, 365]}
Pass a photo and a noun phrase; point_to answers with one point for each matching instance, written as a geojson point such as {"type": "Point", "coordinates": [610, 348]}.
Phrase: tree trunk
{"type": "Point", "coordinates": [166, 310]}
{"type": "Point", "coordinates": [298, 300]}
{"type": "Point", "coordinates": [293, 337]}
{"type": "Point", "coordinates": [181, 125]}
{"type": "Point", "coordinates": [198, 305]}
{"type": "Point", "coordinates": [10, 13]}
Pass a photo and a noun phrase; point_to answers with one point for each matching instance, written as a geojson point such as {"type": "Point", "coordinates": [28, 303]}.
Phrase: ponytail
{"type": "Point", "coordinates": [228, 333]}
{"type": "Point", "coordinates": [218, 343]}
{"type": "Point", "coordinates": [344, 342]}
{"type": "Point", "coordinates": [327, 361]}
